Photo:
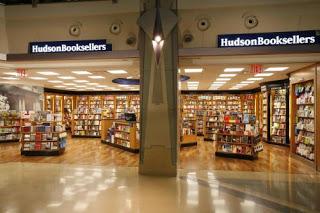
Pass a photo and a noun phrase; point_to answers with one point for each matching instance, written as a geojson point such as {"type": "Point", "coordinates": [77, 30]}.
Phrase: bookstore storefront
{"type": "Point", "coordinates": [247, 104]}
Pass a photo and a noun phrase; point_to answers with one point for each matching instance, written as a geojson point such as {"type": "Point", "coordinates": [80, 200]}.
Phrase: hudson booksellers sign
{"type": "Point", "coordinates": [69, 46]}
{"type": "Point", "coordinates": [309, 37]}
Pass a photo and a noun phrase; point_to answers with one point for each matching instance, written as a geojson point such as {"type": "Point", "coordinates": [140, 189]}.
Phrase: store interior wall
{"type": "Point", "coordinates": [3, 32]}
{"type": "Point", "coordinates": [22, 98]}
{"type": "Point", "coordinates": [53, 21]}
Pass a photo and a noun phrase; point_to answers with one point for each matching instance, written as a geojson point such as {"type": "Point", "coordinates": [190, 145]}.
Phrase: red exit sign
{"type": "Point", "coordinates": [255, 68]}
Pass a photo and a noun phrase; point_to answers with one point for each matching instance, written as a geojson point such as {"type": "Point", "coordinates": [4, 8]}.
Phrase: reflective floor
{"type": "Point", "coordinates": [33, 187]}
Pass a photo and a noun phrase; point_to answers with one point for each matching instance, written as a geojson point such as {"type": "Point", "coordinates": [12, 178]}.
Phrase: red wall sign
{"type": "Point", "coordinates": [21, 72]}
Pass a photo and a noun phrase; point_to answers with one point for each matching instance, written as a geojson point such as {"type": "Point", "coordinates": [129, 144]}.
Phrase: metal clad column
{"type": "Point", "coordinates": [158, 45]}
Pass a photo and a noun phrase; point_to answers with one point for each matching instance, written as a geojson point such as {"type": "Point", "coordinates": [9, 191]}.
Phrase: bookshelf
{"type": "Point", "coordinates": [265, 115]}
{"type": "Point", "coordinates": [238, 137]}
{"type": "Point", "coordinates": [42, 134]}
{"type": "Point", "coordinates": [10, 123]}
{"type": "Point", "coordinates": [108, 106]}
{"type": "Point", "coordinates": [134, 102]}
{"type": "Point", "coordinates": [189, 120]}
{"type": "Point", "coordinates": [248, 104]}
{"type": "Point", "coordinates": [279, 122]}
{"type": "Point", "coordinates": [58, 104]}
{"type": "Point", "coordinates": [49, 102]}
{"type": "Point", "coordinates": [87, 117]}
{"type": "Point", "coordinates": [121, 106]}
{"type": "Point", "coordinates": [123, 135]}
{"type": "Point", "coordinates": [303, 106]}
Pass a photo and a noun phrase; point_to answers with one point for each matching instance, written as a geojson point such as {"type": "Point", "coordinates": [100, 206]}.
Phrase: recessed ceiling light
{"type": "Point", "coordinates": [117, 71]}
{"type": "Point", "coordinates": [82, 72]}
{"type": "Point", "coordinates": [92, 83]}
{"type": "Point", "coordinates": [254, 79]}
{"type": "Point", "coordinates": [241, 84]}
{"type": "Point", "coordinates": [81, 81]}
{"type": "Point", "coordinates": [233, 69]}
{"type": "Point", "coordinates": [66, 77]}
{"type": "Point", "coordinates": [193, 82]}
{"type": "Point", "coordinates": [95, 77]}
{"type": "Point", "coordinates": [55, 81]}
{"type": "Point", "coordinates": [192, 88]}
{"type": "Point", "coordinates": [59, 86]}
{"type": "Point", "coordinates": [217, 85]}
{"type": "Point", "coordinates": [219, 82]}
{"type": "Point", "coordinates": [129, 77]}
{"type": "Point", "coordinates": [179, 70]}
{"type": "Point", "coordinates": [227, 75]}
{"type": "Point", "coordinates": [276, 69]}
{"type": "Point", "coordinates": [223, 79]}
{"type": "Point", "coordinates": [102, 86]}
{"type": "Point", "coordinates": [80, 86]}
{"type": "Point", "coordinates": [69, 84]}
{"type": "Point", "coordinates": [37, 78]}
{"type": "Point", "coordinates": [115, 89]}
{"type": "Point", "coordinates": [247, 82]}
{"type": "Point", "coordinates": [48, 73]}
{"type": "Point", "coordinates": [124, 85]}
{"type": "Point", "coordinates": [193, 70]}
{"type": "Point", "coordinates": [263, 74]}
{"type": "Point", "coordinates": [10, 78]}
{"type": "Point", "coordinates": [71, 88]}
{"type": "Point", "coordinates": [11, 73]}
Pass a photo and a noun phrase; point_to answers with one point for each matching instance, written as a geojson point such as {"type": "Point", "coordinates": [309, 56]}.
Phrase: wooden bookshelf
{"type": "Point", "coordinates": [44, 135]}
{"type": "Point", "coordinates": [123, 135]}
{"type": "Point", "coordinates": [10, 123]}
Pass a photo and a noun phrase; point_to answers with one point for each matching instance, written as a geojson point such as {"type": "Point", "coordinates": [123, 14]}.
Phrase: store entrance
{"type": "Point", "coordinates": [234, 118]}
{"type": "Point", "coordinates": [231, 117]}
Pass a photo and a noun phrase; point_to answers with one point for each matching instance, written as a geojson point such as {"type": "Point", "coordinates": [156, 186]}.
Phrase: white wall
{"type": "Point", "coordinates": [52, 21]}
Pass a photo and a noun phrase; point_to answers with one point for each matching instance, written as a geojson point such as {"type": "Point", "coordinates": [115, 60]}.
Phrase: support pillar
{"type": "Point", "coordinates": [158, 46]}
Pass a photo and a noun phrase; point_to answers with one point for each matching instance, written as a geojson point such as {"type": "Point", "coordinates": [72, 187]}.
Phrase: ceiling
{"type": "Point", "coordinates": [210, 73]}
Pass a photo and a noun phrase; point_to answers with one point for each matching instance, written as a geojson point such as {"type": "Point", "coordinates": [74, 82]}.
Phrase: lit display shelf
{"type": "Point", "coordinates": [10, 123]}
{"type": "Point", "coordinates": [279, 119]}
{"type": "Point", "coordinates": [123, 135]}
{"type": "Point", "coordinates": [238, 137]}
{"type": "Point", "coordinates": [108, 106]}
{"type": "Point", "coordinates": [265, 116]}
{"type": "Point", "coordinates": [189, 121]}
{"type": "Point", "coordinates": [304, 125]}
{"type": "Point", "coordinates": [87, 117]}
{"type": "Point", "coordinates": [122, 105]}
{"type": "Point", "coordinates": [42, 134]}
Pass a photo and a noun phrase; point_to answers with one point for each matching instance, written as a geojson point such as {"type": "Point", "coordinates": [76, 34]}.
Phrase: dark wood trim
{"type": "Point", "coordinates": [117, 54]}
{"type": "Point", "coordinates": [317, 107]}
{"type": "Point", "coordinates": [208, 92]}
{"type": "Point", "coordinates": [120, 147]}
{"type": "Point", "coordinates": [66, 92]}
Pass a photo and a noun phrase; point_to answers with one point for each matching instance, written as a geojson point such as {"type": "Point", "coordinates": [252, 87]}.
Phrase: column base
{"type": "Point", "coordinates": [157, 162]}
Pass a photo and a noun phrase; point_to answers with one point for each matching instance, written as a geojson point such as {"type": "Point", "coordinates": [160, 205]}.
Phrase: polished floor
{"type": "Point", "coordinates": [94, 177]}
{"type": "Point", "coordinates": [91, 152]}
{"type": "Point", "coordinates": [34, 187]}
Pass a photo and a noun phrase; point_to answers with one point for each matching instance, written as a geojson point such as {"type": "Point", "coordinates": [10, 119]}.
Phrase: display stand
{"type": "Point", "coordinates": [123, 136]}
{"type": "Point", "coordinates": [10, 123]}
{"type": "Point", "coordinates": [239, 138]}
{"type": "Point", "coordinates": [43, 135]}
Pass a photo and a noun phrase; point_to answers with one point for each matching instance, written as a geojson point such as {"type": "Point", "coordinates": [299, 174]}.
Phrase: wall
{"type": "Point", "coordinates": [3, 33]}
{"type": "Point", "coordinates": [52, 21]}
{"type": "Point", "coordinates": [23, 98]}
